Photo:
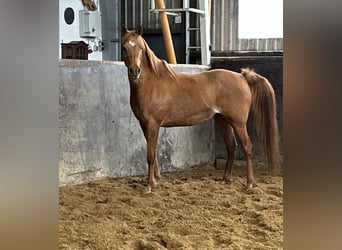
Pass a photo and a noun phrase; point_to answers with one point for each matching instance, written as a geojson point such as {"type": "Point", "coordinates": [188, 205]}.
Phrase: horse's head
{"type": "Point", "coordinates": [132, 45]}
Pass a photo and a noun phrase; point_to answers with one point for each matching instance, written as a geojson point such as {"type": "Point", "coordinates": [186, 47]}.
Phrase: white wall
{"type": "Point", "coordinates": [68, 33]}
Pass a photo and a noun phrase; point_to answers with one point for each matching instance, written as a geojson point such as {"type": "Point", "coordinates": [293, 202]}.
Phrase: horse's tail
{"type": "Point", "coordinates": [265, 115]}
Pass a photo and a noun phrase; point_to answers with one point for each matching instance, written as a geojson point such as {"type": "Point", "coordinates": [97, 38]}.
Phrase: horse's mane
{"type": "Point", "coordinates": [159, 67]}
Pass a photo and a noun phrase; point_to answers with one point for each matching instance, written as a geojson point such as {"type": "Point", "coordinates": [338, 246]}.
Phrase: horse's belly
{"type": "Point", "coordinates": [176, 119]}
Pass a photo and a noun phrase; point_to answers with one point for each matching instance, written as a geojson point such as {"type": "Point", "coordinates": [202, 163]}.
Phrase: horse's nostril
{"type": "Point", "coordinates": [134, 72]}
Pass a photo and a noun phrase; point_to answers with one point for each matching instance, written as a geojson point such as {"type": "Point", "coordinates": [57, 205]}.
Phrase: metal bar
{"type": "Point", "coordinates": [167, 13]}
{"type": "Point", "coordinates": [187, 34]}
{"type": "Point", "coordinates": [209, 12]}
{"type": "Point", "coordinates": [201, 12]}
{"type": "Point", "coordinates": [205, 33]}
{"type": "Point", "coordinates": [126, 8]}
{"type": "Point", "coordinates": [141, 13]}
{"type": "Point", "coordinates": [134, 15]}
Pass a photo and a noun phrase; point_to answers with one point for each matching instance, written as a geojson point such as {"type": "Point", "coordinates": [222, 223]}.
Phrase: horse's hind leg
{"type": "Point", "coordinates": [230, 142]}
{"type": "Point", "coordinates": [241, 132]}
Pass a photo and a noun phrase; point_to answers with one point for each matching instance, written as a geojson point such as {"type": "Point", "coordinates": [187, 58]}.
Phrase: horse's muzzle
{"type": "Point", "coordinates": [134, 73]}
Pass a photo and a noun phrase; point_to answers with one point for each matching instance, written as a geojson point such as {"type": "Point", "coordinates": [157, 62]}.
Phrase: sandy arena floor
{"type": "Point", "coordinates": [188, 210]}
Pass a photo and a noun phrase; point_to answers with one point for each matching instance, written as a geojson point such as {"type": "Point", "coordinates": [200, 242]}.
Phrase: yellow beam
{"type": "Point", "coordinates": [166, 32]}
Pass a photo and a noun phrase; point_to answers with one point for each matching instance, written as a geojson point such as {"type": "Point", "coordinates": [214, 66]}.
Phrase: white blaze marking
{"type": "Point", "coordinates": [216, 110]}
{"type": "Point", "coordinates": [131, 43]}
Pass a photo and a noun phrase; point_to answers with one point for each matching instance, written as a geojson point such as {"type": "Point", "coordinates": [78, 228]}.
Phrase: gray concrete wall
{"type": "Point", "coordinates": [99, 135]}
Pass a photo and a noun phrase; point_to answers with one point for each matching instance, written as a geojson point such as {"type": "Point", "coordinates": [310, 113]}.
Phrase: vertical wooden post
{"type": "Point", "coordinates": [166, 32]}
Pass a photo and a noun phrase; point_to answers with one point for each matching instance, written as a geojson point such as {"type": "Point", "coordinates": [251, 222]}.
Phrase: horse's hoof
{"type": "Point", "coordinates": [158, 176]}
{"type": "Point", "coordinates": [154, 184]}
{"type": "Point", "coordinates": [250, 185]}
{"type": "Point", "coordinates": [228, 180]}
{"type": "Point", "coordinates": [147, 190]}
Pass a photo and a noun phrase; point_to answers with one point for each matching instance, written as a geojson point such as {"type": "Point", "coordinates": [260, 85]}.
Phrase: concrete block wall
{"type": "Point", "coordinates": [99, 135]}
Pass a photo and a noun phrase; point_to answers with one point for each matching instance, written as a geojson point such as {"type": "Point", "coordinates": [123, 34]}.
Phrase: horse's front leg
{"type": "Point", "coordinates": [151, 134]}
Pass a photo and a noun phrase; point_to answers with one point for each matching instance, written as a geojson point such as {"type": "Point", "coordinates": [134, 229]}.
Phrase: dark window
{"type": "Point", "coordinates": [75, 50]}
{"type": "Point", "coordinates": [69, 15]}
{"type": "Point", "coordinates": [80, 53]}
{"type": "Point", "coordinates": [68, 52]}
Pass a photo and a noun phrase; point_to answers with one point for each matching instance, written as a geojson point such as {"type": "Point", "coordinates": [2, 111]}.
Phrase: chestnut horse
{"type": "Point", "coordinates": [162, 97]}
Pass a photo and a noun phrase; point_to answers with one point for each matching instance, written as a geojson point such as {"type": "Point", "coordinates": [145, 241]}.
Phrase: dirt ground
{"type": "Point", "coordinates": [189, 209]}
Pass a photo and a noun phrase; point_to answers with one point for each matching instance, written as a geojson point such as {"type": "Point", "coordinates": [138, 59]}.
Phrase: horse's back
{"type": "Point", "coordinates": [227, 82]}
{"type": "Point", "coordinates": [216, 83]}
{"type": "Point", "coordinates": [225, 76]}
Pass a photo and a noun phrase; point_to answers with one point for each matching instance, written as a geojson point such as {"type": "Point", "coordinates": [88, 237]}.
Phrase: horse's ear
{"type": "Point", "coordinates": [123, 30]}
{"type": "Point", "coordinates": [138, 30]}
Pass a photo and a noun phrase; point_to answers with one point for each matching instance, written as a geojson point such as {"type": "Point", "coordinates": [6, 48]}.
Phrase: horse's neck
{"type": "Point", "coordinates": [155, 66]}
{"type": "Point", "coordinates": [161, 69]}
